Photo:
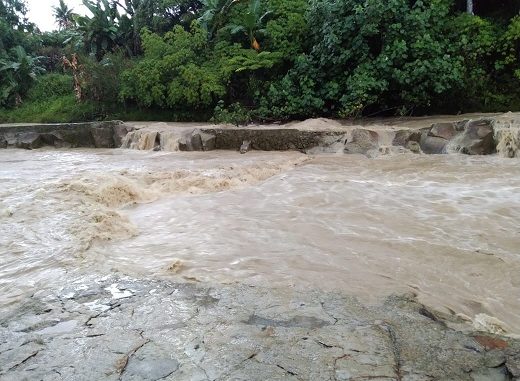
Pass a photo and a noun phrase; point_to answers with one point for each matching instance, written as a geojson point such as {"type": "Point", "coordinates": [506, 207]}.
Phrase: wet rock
{"type": "Point", "coordinates": [184, 332]}
{"type": "Point", "coordinates": [414, 146]}
{"type": "Point", "coordinates": [433, 145]}
{"type": "Point", "coordinates": [120, 132]}
{"type": "Point", "coordinates": [74, 138]}
{"type": "Point", "coordinates": [245, 147]}
{"type": "Point", "coordinates": [208, 141]}
{"type": "Point", "coordinates": [362, 141]}
{"type": "Point", "coordinates": [103, 136]}
{"type": "Point", "coordinates": [270, 139]}
{"type": "Point", "coordinates": [477, 138]}
{"type": "Point", "coordinates": [3, 142]}
{"type": "Point", "coordinates": [489, 342]}
{"type": "Point", "coordinates": [29, 140]}
{"type": "Point", "coordinates": [197, 141]}
{"type": "Point", "coordinates": [296, 321]}
{"type": "Point", "coordinates": [149, 362]}
{"type": "Point", "coordinates": [443, 130]}
{"type": "Point", "coordinates": [50, 139]}
{"type": "Point", "coordinates": [10, 139]}
{"type": "Point", "coordinates": [402, 137]}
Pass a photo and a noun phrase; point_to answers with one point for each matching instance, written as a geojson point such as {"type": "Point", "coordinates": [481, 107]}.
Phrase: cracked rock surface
{"type": "Point", "coordinates": [114, 328]}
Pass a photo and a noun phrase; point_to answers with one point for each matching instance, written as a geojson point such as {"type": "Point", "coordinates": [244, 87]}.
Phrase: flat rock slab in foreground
{"type": "Point", "coordinates": [123, 329]}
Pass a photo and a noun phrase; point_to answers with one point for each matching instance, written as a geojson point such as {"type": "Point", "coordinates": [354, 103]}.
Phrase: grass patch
{"type": "Point", "coordinates": [61, 109]}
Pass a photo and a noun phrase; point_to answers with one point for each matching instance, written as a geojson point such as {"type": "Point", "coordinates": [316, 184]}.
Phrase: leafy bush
{"type": "Point", "coordinates": [235, 114]}
{"type": "Point", "coordinates": [176, 71]}
{"type": "Point", "coordinates": [101, 81]}
{"type": "Point", "coordinates": [364, 58]}
{"type": "Point", "coordinates": [50, 86]}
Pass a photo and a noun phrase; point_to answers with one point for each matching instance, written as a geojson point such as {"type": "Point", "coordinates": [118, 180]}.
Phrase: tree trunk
{"type": "Point", "coordinates": [470, 6]}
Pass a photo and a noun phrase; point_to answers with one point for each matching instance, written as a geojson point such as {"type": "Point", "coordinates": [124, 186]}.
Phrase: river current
{"type": "Point", "coordinates": [443, 227]}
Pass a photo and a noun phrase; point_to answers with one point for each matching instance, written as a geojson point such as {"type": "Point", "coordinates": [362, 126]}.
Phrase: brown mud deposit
{"type": "Point", "coordinates": [290, 258]}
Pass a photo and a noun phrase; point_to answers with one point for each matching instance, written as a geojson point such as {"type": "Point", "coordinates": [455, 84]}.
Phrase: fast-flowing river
{"type": "Point", "coordinates": [443, 227]}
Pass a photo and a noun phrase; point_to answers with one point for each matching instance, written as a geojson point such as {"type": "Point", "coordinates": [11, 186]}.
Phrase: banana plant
{"type": "Point", "coordinates": [251, 23]}
{"type": "Point", "coordinates": [100, 31]}
{"type": "Point", "coordinates": [17, 73]}
{"type": "Point", "coordinates": [214, 14]}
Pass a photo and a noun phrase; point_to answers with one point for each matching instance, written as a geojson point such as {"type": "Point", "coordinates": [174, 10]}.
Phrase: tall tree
{"type": "Point", "coordinates": [469, 6]}
{"type": "Point", "coordinates": [63, 15]}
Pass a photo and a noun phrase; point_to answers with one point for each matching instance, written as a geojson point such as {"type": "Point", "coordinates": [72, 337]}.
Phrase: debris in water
{"type": "Point", "coordinates": [175, 267]}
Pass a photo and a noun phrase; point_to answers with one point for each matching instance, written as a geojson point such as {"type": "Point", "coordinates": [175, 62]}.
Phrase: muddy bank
{"type": "Point", "coordinates": [127, 329]}
{"type": "Point", "coordinates": [472, 135]}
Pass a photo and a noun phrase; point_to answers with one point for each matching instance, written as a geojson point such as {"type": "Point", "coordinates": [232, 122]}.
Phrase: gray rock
{"type": "Point", "coordinates": [245, 147]}
{"type": "Point", "coordinates": [149, 362]}
{"type": "Point", "coordinates": [3, 142]}
{"type": "Point", "coordinates": [197, 141]}
{"type": "Point", "coordinates": [74, 138]}
{"type": "Point", "coordinates": [477, 138]}
{"type": "Point", "coordinates": [443, 130]}
{"type": "Point", "coordinates": [362, 141]}
{"type": "Point", "coordinates": [120, 132]}
{"type": "Point", "coordinates": [29, 140]}
{"type": "Point", "coordinates": [433, 145]}
{"type": "Point", "coordinates": [180, 331]}
{"type": "Point", "coordinates": [208, 141]}
{"type": "Point", "coordinates": [402, 137]}
{"type": "Point", "coordinates": [10, 139]}
{"type": "Point", "coordinates": [103, 136]}
{"type": "Point", "coordinates": [413, 146]}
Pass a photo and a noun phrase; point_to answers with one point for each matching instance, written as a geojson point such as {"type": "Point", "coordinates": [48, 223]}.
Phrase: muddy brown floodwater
{"type": "Point", "coordinates": [444, 227]}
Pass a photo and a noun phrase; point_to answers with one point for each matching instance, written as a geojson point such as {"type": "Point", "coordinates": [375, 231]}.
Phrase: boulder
{"type": "Point", "coordinates": [120, 132]}
{"type": "Point", "coordinates": [413, 146]}
{"type": "Point", "coordinates": [103, 135]}
{"type": "Point", "coordinates": [433, 144]}
{"type": "Point", "coordinates": [402, 137]}
{"type": "Point", "coordinates": [29, 140]}
{"type": "Point", "coordinates": [245, 147]}
{"type": "Point", "coordinates": [477, 138]}
{"type": "Point", "coordinates": [443, 130]}
{"type": "Point", "coordinates": [50, 139]}
{"type": "Point", "coordinates": [208, 141]}
{"type": "Point", "coordinates": [362, 141]}
{"type": "Point", "coordinates": [10, 139]}
{"type": "Point", "coordinates": [197, 141]}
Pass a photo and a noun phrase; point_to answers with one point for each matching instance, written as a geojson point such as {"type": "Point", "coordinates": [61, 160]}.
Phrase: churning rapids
{"type": "Point", "coordinates": [444, 227]}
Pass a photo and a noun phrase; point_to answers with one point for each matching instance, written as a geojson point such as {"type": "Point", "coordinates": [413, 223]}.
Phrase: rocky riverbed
{"type": "Point", "coordinates": [115, 328]}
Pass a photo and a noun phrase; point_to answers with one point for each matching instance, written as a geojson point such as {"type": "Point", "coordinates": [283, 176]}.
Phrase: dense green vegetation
{"type": "Point", "coordinates": [242, 60]}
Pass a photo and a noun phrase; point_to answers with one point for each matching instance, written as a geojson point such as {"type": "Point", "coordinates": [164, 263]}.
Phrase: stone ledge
{"type": "Point", "coordinates": [132, 329]}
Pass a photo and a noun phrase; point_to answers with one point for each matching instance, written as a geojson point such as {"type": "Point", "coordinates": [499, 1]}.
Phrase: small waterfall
{"type": "Point", "coordinates": [170, 141]}
{"type": "Point", "coordinates": [507, 137]}
{"type": "Point", "coordinates": [141, 140]}
{"type": "Point", "coordinates": [147, 140]}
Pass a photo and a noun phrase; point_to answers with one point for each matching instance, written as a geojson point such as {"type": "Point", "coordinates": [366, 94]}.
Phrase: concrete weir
{"type": "Point", "coordinates": [473, 135]}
